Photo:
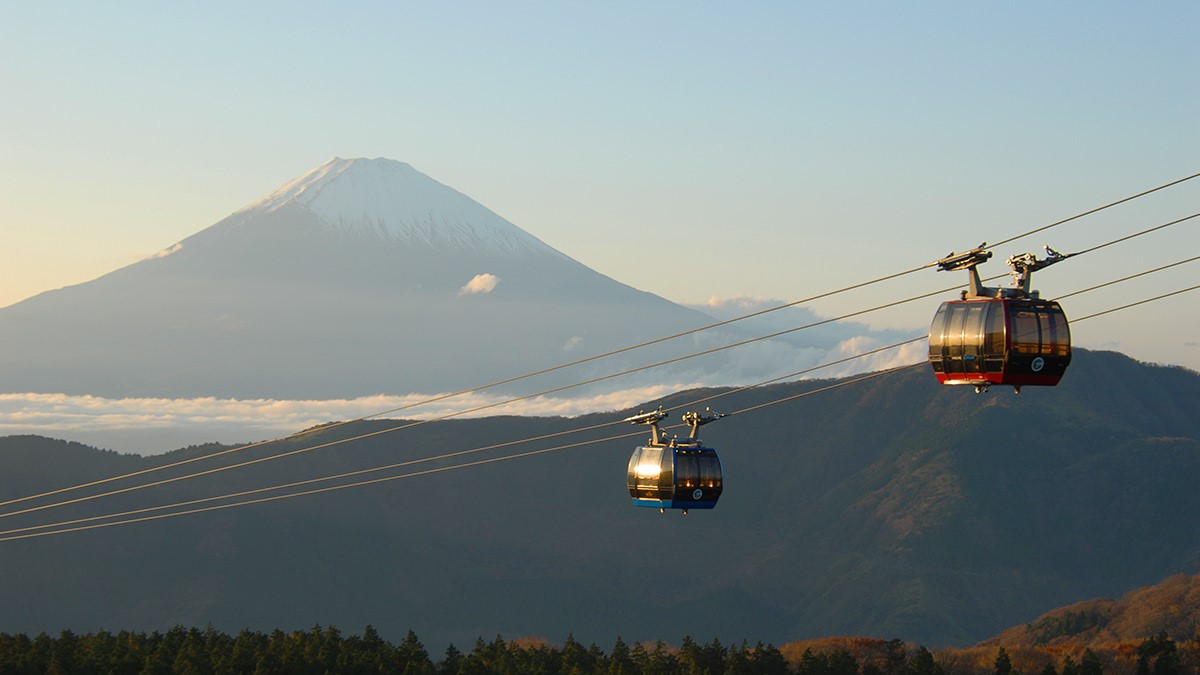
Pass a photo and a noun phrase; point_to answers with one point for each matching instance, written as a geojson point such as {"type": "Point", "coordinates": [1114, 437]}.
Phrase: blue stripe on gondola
{"type": "Point", "coordinates": [669, 504]}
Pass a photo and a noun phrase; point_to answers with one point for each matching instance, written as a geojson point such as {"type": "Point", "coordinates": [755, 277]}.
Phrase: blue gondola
{"type": "Point", "coordinates": [676, 474]}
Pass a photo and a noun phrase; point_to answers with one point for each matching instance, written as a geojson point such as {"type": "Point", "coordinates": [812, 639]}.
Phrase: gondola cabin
{"type": "Point", "coordinates": [675, 477]}
{"type": "Point", "coordinates": [986, 341]}
{"type": "Point", "coordinates": [1006, 336]}
{"type": "Point", "coordinates": [677, 474]}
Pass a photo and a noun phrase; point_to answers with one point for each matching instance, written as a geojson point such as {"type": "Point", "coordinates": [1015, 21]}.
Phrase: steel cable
{"type": "Point", "coordinates": [24, 533]}
{"type": "Point", "coordinates": [572, 363]}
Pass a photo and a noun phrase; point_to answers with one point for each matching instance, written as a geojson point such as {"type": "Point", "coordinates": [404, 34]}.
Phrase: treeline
{"type": "Point", "coordinates": [324, 651]}
{"type": "Point", "coordinates": [321, 651]}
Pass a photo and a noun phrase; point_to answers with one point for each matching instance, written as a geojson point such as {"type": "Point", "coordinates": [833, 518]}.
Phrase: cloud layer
{"type": "Point", "coordinates": [144, 425]}
{"type": "Point", "coordinates": [151, 425]}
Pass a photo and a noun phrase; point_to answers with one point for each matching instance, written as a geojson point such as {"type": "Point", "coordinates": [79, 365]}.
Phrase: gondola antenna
{"type": "Point", "coordinates": [652, 418]}
{"type": "Point", "coordinates": [1026, 264]}
{"type": "Point", "coordinates": [1023, 266]}
{"type": "Point", "coordinates": [968, 261]}
{"type": "Point", "coordinates": [695, 420]}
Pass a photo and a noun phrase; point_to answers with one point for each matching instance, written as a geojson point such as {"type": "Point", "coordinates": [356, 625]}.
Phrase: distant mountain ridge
{"type": "Point", "coordinates": [361, 277]}
{"type": "Point", "coordinates": [890, 508]}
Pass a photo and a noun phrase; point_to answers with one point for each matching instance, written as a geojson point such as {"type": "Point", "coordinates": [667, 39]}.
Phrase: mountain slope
{"type": "Point", "coordinates": [361, 277]}
{"type": "Point", "coordinates": [893, 507]}
{"type": "Point", "coordinates": [1171, 606]}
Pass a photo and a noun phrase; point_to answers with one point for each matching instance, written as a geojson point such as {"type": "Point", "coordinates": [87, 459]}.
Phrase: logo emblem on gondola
{"type": "Point", "coordinates": [1038, 364]}
{"type": "Point", "coordinates": [697, 494]}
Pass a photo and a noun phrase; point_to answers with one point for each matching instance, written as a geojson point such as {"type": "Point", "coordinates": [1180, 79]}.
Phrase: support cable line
{"type": "Point", "coordinates": [1135, 304]}
{"type": "Point", "coordinates": [507, 457]}
{"type": "Point", "coordinates": [1137, 234]}
{"type": "Point", "coordinates": [583, 360]}
{"type": "Point", "coordinates": [449, 455]}
{"type": "Point", "coordinates": [76, 525]}
{"type": "Point", "coordinates": [492, 460]}
{"type": "Point", "coordinates": [483, 407]}
{"type": "Point", "coordinates": [587, 359]}
{"type": "Point", "coordinates": [451, 415]}
{"type": "Point", "coordinates": [1132, 276]}
{"type": "Point", "coordinates": [464, 392]}
{"type": "Point", "coordinates": [1096, 210]}
{"type": "Point", "coordinates": [239, 448]}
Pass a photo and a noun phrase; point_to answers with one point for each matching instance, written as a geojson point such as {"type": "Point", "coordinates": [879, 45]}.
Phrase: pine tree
{"type": "Point", "coordinates": [411, 656]}
{"type": "Point", "coordinates": [598, 658]}
{"type": "Point", "coordinates": [923, 663]}
{"type": "Point", "coordinates": [661, 662]}
{"type": "Point", "coordinates": [737, 660]}
{"type": "Point", "coordinates": [451, 661]}
{"type": "Point", "coordinates": [689, 656]}
{"type": "Point", "coordinates": [768, 660]}
{"type": "Point", "coordinates": [620, 660]}
{"type": "Point", "coordinates": [701, 660]}
{"type": "Point", "coordinates": [575, 659]}
{"type": "Point", "coordinates": [1003, 665]}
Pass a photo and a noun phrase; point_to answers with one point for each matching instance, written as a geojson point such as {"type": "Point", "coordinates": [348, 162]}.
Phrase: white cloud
{"type": "Point", "coordinates": [482, 283]}
{"type": "Point", "coordinates": [908, 354]}
{"type": "Point", "coordinates": [741, 303]}
{"type": "Point", "coordinates": [168, 251]}
{"type": "Point", "coordinates": [573, 343]}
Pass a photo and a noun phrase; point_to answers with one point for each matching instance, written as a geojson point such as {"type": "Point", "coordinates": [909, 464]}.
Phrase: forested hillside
{"type": "Point", "coordinates": [1171, 607]}
{"type": "Point", "coordinates": [888, 508]}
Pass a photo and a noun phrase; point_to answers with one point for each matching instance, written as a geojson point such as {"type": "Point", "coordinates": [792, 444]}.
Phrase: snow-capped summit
{"type": "Point", "coordinates": [392, 200]}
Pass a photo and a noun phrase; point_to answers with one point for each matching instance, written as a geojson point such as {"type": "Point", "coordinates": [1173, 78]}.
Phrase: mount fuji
{"type": "Point", "coordinates": [363, 276]}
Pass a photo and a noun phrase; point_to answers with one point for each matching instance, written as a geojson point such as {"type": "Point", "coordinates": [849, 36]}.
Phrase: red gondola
{"type": "Point", "coordinates": [1000, 335]}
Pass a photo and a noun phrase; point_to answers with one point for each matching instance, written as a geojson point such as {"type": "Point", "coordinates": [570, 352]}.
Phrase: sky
{"type": "Point", "coordinates": [703, 151]}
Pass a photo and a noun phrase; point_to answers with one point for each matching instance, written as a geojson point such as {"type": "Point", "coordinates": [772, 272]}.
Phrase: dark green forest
{"type": "Point", "coordinates": [321, 651]}
{"type": "Point", "coordinates": [326, 650]}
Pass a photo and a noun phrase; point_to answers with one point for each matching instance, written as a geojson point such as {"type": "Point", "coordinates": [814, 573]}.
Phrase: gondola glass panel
{"type": "Point", "coordinates": [993, 338]}
{"type": "Point", "coordinates": [1025, 330]}
{"type": "Point", "coordinates": [1056, 335]}
{"type": "Point", "coordinates": [651, 473]}
{"type": "Point", "coordinates": [972, 338]}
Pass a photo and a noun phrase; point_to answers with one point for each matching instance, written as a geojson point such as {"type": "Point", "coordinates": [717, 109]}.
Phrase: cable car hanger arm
{"type": "Point", "coordinates": [1023, 266]}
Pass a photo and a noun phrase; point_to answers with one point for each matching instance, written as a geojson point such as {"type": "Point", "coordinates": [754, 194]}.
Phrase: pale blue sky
{"type": "Point", "coordinates": [691, 149]}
